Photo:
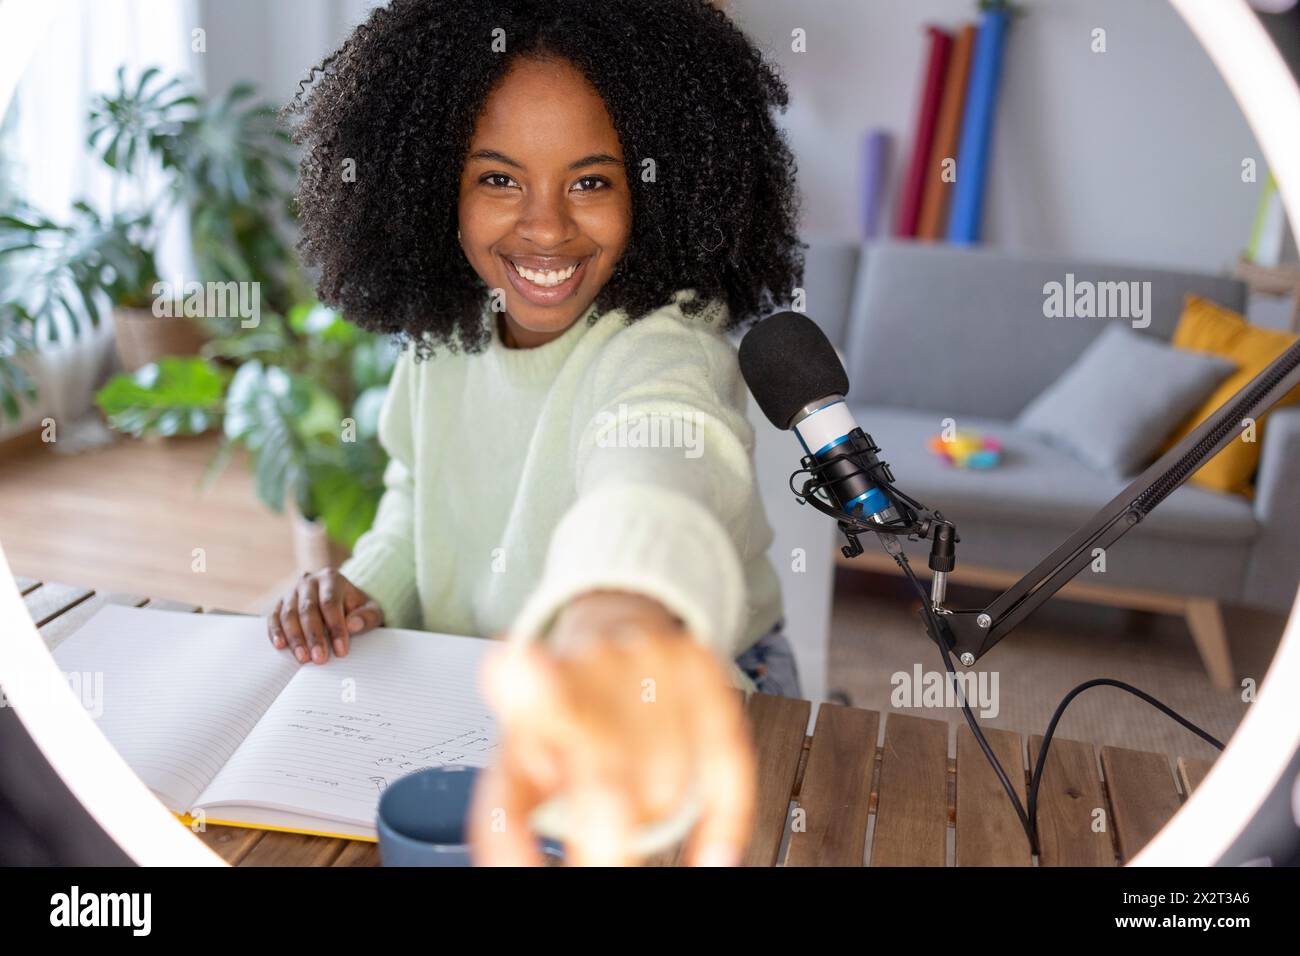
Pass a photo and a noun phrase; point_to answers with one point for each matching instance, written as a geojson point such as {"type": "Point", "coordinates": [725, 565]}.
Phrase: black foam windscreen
{"type": "Point", "coordinates": [788, 362]}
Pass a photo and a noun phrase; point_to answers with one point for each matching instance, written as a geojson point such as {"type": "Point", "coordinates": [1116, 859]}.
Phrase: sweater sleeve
{"type": "Point", "coordinates": [383, 560]}
{"type": "Point", "coordinates": [665, 484]}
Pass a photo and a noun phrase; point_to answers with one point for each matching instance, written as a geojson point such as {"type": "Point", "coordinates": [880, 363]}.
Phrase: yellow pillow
{"type": "Point", "coordinates": [1207, 327]}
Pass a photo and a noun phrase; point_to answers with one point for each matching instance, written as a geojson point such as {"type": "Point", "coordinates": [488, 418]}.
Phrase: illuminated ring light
{"type": "Point", "coordinates": [1198, 835]}
{"type": "Point", "coordinates": [60, 727]}
{"type": "Point", "coordinates": [1267, 739]}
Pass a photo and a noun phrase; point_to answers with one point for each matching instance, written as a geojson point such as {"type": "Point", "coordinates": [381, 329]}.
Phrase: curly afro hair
{"type": "Point", "coordinates": [682, 84]}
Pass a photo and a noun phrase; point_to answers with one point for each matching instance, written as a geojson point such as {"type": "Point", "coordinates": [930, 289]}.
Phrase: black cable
{"type": "Point", "coordinates": [1029, 818]}
{"type": "Point", "coordinates": [908, 524]}
{"type": "Point", "coordinates": [1056, 718]}
{"type": "Point", "coordinates": [1031, 831]}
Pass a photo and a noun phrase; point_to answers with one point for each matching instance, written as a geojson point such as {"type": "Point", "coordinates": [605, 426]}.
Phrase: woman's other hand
{"type": "Point", "coordinates": [324, 611]}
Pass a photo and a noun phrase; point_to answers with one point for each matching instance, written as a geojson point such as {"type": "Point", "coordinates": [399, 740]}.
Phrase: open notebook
{"type": "Point", "coordinates": [214, 719]}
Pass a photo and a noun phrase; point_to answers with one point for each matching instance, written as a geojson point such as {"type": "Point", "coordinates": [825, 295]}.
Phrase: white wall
{"type": "Point", "coordinates": [1133, 154]}
{"type": "Point", "coordinates": [273, 43]}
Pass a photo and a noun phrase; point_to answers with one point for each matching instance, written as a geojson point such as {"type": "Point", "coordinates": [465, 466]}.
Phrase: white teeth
{"type": "Point", "coordinates": [546, 279]}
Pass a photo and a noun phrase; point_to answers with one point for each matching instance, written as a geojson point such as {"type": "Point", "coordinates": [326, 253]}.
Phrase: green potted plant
{"type": "Point", "coordinates": [226, 162]}
{"type": "Point", "coordinates": [58, 277]}
{"type": "Point", "coordinates": [301, 393]}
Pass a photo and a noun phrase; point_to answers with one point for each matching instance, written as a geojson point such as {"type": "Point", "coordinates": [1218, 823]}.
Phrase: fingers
{"type": "Point", "coordinates": [581, 725]}
{"type": "Point", "coordinates": [726, 775]}
{"type": "Point", "coordinates": [602, 822]}
{"type": "Point", "coordinates": [360, 611]}
{"type": "Point", "coordinates": [521, 682]}
{"type": "Point", "coordinates": [325, 610]}
{"type": "Point", "coordinates": [286, 614]}
{"type": "Point", "coordinates": [309, 617]}
{"type": "Point", "coordinates": [523, 687]}
{"type": "Point", "coordinates": [661, 774]}
{"type": "Point", "coordinates": [537, 725]}
{"type": "Point", "coordinates": [504, 798]}
{"type": "Point", "coordinates": [364, 617]}
{"type": "Point", "coordinates": [274, 629]}
{"type": "Point", "coordinates": [561, 741]}
{"type": "Point", "coordinates": [331, 610]}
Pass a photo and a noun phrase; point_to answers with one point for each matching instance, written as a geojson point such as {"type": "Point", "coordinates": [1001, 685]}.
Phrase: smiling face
{"type": "Point", "coordinates": [545, 208]}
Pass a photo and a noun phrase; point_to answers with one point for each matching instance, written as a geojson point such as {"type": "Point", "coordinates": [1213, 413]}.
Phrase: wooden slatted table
{"type": "Point", "coordinates": [846, 795]}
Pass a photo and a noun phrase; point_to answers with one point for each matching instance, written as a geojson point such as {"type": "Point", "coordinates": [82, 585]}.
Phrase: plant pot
{"type": "Point", "coordinates": [312, 547]}
{"type": "Point", "coordinates": [143, 337]}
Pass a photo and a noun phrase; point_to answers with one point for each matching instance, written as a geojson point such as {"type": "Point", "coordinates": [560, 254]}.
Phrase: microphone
{"type": "Point", "coordinates": [799, 382]}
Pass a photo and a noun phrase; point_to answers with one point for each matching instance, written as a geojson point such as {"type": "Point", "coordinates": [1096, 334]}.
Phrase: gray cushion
{"type": "Point", "coordinates": [1117, 404]}
{"type": "Point", "coordinates": [1036, 484]}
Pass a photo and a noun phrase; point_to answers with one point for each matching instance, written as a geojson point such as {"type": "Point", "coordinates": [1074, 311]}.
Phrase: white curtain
{"type": "Point", "coordinates": [73, 50]}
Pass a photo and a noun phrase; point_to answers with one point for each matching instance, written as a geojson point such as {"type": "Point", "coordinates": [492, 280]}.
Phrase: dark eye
{"type": "Point", "coordinates": [604, 183]}
{"type": "Point", "coordinates": [491, 176]}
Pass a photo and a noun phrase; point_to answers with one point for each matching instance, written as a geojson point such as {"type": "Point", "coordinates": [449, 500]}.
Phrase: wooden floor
{"type": "Point", "coordinates": [129, 516]}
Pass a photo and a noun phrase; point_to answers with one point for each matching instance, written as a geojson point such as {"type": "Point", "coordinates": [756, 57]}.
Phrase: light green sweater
{"type": "Point", "coordinates": [615, 456]}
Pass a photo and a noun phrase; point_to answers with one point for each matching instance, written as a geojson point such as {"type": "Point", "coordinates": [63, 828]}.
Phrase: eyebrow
{"type": "Point", "coordinates": [595, 159]}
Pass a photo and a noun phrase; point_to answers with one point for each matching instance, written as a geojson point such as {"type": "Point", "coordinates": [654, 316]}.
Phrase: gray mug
{"type": "Point", "coordinates": [421, 819]}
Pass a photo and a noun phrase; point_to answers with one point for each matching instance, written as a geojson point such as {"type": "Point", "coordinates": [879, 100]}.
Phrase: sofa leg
{"type": "Point", "coordinates": [1205, 621]}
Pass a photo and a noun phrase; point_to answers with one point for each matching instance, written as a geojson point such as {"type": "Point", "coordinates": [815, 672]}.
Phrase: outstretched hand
{"type": "Point", "coordinates": [623, 713]}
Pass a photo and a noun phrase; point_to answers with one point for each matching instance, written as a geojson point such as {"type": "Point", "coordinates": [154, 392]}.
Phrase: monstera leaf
{"type": "Point", "coordinates": [173, 396]}
{"type": "Point", "coordinates": [282, 419]}
{"type": "Point", "coordinates": [261, 409]}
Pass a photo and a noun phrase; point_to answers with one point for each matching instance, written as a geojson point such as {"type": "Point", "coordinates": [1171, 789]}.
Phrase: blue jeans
{"type": "Point", "coordinates": [770, 664]}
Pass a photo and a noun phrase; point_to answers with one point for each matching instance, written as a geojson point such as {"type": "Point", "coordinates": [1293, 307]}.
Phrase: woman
{"type": "Point", "coordinates": [561, 208]}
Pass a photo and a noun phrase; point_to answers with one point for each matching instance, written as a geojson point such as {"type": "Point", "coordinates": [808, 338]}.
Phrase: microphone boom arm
{"type": "Point", "coordinates": [970, 634]}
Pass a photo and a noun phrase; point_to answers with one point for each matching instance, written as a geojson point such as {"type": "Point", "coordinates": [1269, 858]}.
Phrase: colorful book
{"type": "Point", "coordinates": [977, 128]}
{"type": "Point", "coordinates": [226, 729]}
{"type": "Point", "coordinates": [875, 178]}
{"type": "Point", "coordinates": [938, 193]}
{"type": "Point", "coordinates": [909, 205]}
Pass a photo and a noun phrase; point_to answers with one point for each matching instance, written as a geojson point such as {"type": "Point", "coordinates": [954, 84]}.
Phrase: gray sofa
{"type": "Point", "coordinates": [931, 331]}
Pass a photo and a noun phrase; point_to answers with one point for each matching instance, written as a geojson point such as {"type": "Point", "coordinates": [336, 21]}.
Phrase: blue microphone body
{"type": "Point", "coordinates": [797, 379]}
{"type": "Point", "coordinates": [825, 429]}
